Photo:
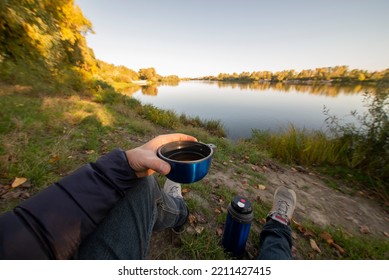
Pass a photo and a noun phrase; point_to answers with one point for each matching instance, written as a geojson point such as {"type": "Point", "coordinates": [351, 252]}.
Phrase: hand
{"type": "Point", "coordinates": [144, 160]}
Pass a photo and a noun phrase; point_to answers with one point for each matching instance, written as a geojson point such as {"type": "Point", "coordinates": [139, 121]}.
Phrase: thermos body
{"type": "Point", "coordinates": [237, 226]}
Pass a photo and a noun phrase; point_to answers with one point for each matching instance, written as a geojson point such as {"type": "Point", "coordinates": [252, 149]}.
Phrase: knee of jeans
{"type": "Point", "coordinates": [169, 213]}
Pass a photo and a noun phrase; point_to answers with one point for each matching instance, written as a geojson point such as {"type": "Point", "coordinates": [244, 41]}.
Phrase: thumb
{"type": "Point", "coordinates": [161, 166]}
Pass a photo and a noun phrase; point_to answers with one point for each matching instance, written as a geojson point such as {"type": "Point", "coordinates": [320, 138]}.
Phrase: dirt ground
{"type": "Point", "coordinates": [318, 203]}
{"type": "Point", "coordinates": [355, 213]}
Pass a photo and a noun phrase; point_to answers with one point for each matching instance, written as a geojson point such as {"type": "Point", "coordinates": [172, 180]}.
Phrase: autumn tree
{"type": "Point", "coordinates": [147, 74]}
{"type": "Point", "coordinates": [44, 41]}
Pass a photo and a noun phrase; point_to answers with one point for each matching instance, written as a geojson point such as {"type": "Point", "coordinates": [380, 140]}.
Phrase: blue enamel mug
{"type": "Point", "coordinates": [189, 161]}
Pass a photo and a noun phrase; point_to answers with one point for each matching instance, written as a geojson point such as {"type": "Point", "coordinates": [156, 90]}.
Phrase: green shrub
{"type": "Point", "coordinates": [367, 141]}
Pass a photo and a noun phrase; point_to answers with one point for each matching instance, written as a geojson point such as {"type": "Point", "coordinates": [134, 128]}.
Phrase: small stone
{"type": "Point", "coordinates": [364, 230]}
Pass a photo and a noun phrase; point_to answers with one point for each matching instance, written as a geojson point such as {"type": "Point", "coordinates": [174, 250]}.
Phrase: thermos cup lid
{"type": "Point", "coordinates": [240, 210]}
{"type": "Point", "coordinates": [241, 205]}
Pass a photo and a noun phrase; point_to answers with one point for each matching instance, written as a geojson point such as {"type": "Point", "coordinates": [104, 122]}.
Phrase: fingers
{"type": "Point", "coordinates": [167, 138]}
{"type": "Point", "coordinates": [144, 161]}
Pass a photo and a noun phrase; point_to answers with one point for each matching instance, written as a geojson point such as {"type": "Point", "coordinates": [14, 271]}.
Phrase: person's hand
{"type": "Point", "coordinates": [144, 160]}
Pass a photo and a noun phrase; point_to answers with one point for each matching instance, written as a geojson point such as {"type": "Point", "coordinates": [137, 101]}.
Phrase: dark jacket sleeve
{"type": "Point", "coordinates": [52, 224]}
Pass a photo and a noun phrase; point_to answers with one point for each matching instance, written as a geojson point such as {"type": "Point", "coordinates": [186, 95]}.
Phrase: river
{"type": "Point", "coordinates": [242, 107]}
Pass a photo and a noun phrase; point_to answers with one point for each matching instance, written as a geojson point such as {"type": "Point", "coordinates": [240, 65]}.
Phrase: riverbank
{"type": "Point", "coordinates": [43, 137]}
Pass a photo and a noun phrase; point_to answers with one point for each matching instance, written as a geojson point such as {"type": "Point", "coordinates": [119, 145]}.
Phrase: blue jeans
{"type": "Point", "coordinates": [126, 232]}
{"type": "Point", "coordinates": [275, 241]}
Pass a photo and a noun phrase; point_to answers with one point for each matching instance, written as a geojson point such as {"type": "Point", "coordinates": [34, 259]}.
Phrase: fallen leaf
{"type": "Point", "coordinates": [217, 211]}
{"type": "Point", "coordinates": [253, 168]}
{"type": "Point", "coordinates": [199, 229]}
{"type": "Point", "coordinates": [54, 159]}
{"type": "Point", "coordinates": [294, 235]}
{"type": "Point", "coordinates": [338, 248]}
{"type": "Point", "coordinates": [295, 222]}
{"type": "Point", "coordinates": [89, 152]}
{"type": "Point", "coordinates": [364, 230]}
{"type": "Point", "coordinates": [386, 234]}
{"type": "Point", "coordinates": [299, 226]}
{"type": "Point", "coordinates": [18, 181]}
{"type": "Point", "coordinates": [301, 229]}
{"type": "Point", "coordinates": [309, 233]}
{"type": "Point", "coordinates": [192, 219]}
{"type": "Point", "coordinates": [327, 237]}
{"type": "Point", "coordinates": [186, 190]}
{"type": "Point", "coordinates": [219, 231]}
{"type": "Point", "coordinates": [261, 187]}
{"type": "Point", "coordinates": [314, 246]}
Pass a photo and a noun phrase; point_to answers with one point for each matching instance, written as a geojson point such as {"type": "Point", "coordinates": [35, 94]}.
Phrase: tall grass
{"type": "Point", "coordinates": [293, 145]}
{"type": "Point", "coordinates": [215, 127]}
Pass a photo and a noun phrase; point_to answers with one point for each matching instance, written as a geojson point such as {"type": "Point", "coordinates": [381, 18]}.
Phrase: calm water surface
{"type": "Point", "coordinates": [243, 107]}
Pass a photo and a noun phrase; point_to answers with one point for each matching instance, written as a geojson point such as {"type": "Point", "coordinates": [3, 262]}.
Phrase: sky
{"type": "Point", "coordinates": [194, 38]}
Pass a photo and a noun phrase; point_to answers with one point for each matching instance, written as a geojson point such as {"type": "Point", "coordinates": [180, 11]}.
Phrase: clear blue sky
{"type": "Point", "coordinates": [193, 38]}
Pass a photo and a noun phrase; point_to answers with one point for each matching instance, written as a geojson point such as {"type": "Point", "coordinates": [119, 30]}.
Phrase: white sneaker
{"type": "Point", "coordinates": [284, 204]}
{"type": "Point", "coordinates": [173, 189]}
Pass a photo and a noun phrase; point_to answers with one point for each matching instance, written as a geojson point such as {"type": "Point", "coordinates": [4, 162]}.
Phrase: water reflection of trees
{"type": "Point", "coordinates": [317, 89]}
{"type": "Point", "coordinates": [169, 83]}
{"type": "Point", "coordinates": [129, 90]}
{"type": "Point", "coordinates": [150, 90]}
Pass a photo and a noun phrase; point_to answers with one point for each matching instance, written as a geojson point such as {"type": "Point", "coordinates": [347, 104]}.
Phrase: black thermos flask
{"type": "Point", "coordinates": [237, 226]}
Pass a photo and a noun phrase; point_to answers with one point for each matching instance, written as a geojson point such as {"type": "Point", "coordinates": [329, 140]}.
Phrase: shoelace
{"type": "Point", "coordinates": [282, 207]}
